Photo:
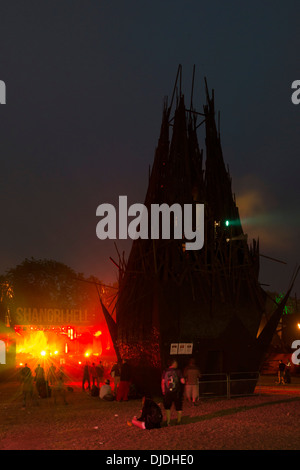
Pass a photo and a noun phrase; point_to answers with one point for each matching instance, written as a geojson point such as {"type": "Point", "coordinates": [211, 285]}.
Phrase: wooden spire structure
{"type": "Point", "coordinates": [210, 298]}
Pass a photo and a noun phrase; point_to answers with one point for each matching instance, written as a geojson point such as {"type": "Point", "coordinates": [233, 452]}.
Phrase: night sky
{"type": "Point", "coordinates": [85, 86]}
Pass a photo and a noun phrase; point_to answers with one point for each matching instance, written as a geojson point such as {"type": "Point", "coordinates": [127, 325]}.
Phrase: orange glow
{"type": "Point", "coordinates": [36, 343]}
{"type": "Point", "coordinates": [60, 345]}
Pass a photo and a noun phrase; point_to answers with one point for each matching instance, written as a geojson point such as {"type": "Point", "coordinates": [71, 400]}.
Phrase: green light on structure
{"type": "Point", "coordinates": [227, 223]}
{"type": "Point", "coordinates": [288, 309]}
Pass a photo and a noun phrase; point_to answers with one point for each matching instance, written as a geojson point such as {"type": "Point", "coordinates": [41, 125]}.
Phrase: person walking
{"type": "Point", "coordinates": [191, 375]}
{"type": "Point", "coordinates": [172, 388]}
{"type": "Point", "coordinates": [94, 375]}
{"type": "Point", "coordinates": [281, 369]}
{"type": "Point", "coordinates": [115, 374]}
{"type": "Point", "coordinates": [59, 389]}
{"type": "Point", "coordinates": [24, 372]}
{"type": "Point", "coordinates": [100, 373]}
{"type": "Point", "coordinates": [27, 384]}
{"type": "Point", "coordinates": [287, 373]}
{"type": "Point", "coordinates": [40, 381]}
{"type": "Point", "coordinates": [86, 376]}
{"type": "Point", "coordinates": [125, 381]}
{"type": "Point", "coordinates": [51, 377]}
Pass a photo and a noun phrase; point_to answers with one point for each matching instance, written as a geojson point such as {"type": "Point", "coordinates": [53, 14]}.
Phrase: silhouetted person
{"type": "Point", "coordinates": [100, 373]}
{"type": "Point", "coordinates": [27, 384]}
{"type": "Point", "coordinates": [51, 377]}
{"type": "Point", "coordinates": [115, 373]}
{"type": "Point", "coordinates": [40, 381]}
{"type": "Point", "coordinates": [95, 381]}
{"type": "Point", "coordinates": [287, 373]}
{"type": "Point", "coordinates": [191, 375]}
{"type": "Point", "coordinates": [125, 381]}
{"type": "Point", "coordinates": [281, 369]}
{"type": "Point", "coordinates": [86, 376]}
{"type": "Point", "coordinates": [59, 389]}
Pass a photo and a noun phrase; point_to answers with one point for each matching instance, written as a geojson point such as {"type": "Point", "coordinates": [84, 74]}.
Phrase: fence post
{"type": "Point", "coordinates": [228, 385]}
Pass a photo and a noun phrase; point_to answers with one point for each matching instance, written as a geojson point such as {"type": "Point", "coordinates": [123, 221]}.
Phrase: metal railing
{"type": "Point", "coordinates": [233, 384]}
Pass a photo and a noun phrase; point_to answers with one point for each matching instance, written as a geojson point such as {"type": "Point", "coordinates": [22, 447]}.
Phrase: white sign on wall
{"type": "Point", "coordinates": [181, 348]}
{"type": "Point", "coordinates": [174, 348]}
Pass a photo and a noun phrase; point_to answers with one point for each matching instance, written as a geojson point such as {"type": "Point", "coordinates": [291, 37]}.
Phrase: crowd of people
{"type": "Point", "coordinates": [37, 385]}
{"type": "Point", "coordinates": [115, 384]}
{"type": "Point", "coordinates": [175, 385]}
{"type": "Point", "coordinates": [99, 384]}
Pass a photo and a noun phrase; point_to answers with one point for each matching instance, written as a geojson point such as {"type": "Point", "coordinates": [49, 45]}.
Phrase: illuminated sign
{"type": "Point", "coordinates": [50, 316]}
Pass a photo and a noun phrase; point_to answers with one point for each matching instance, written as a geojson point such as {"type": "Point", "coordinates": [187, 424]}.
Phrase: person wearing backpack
{"type": "Point", "coordinates": [172, 388]}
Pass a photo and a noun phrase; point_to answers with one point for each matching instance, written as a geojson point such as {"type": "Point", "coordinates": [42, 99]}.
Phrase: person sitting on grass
{"type": "Point", "coordinates": [106, 391]}
{"type": "Point", "coordinates": [151, 416]}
